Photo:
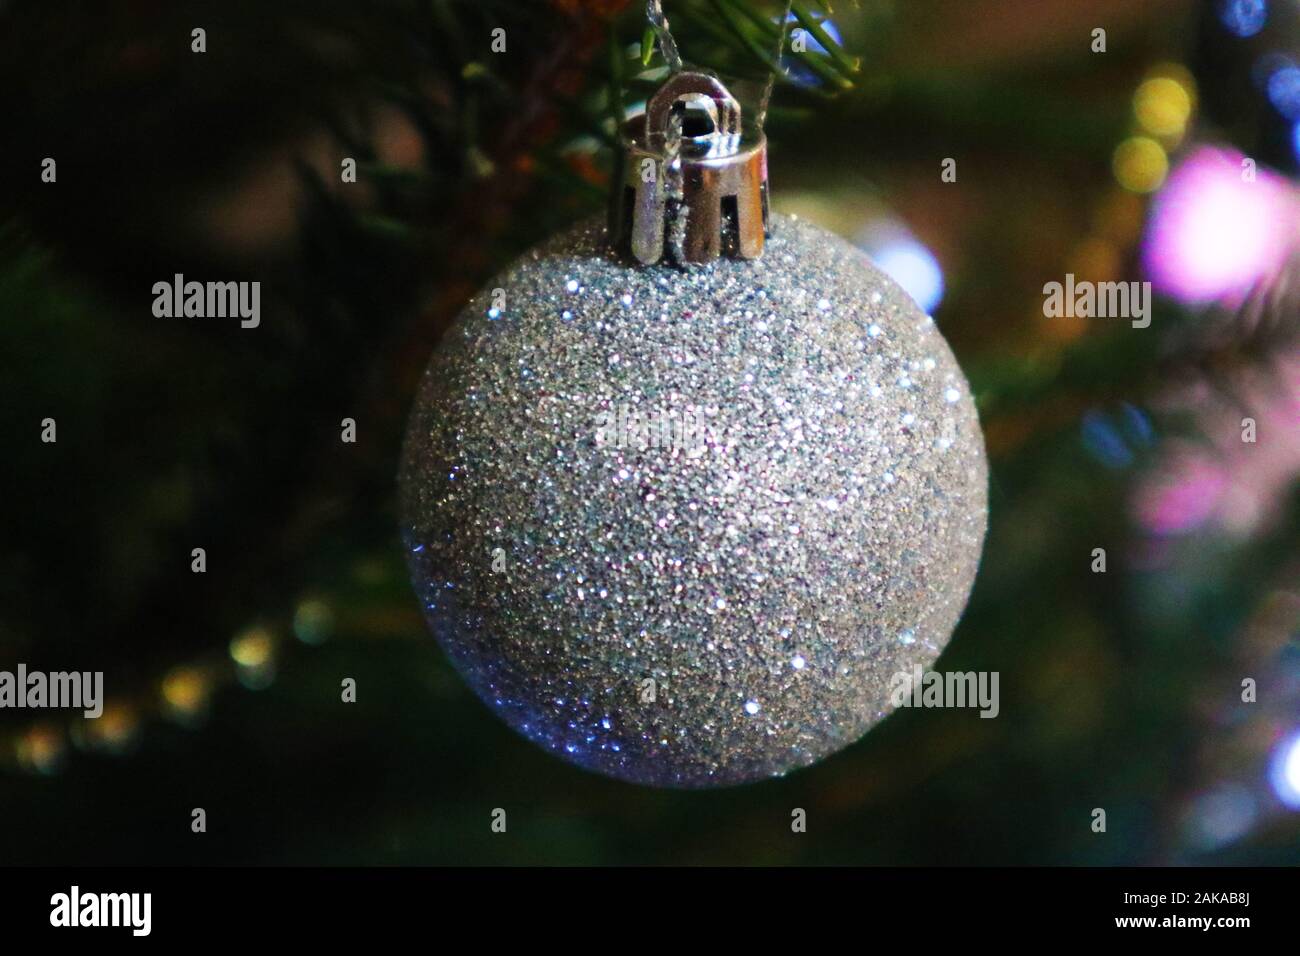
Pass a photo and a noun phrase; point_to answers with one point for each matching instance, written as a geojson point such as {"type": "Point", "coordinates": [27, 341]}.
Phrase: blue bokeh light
{"type": "Point", "coordinates": [1284, 90]}
{"type": "Point", "coordinates": [1103, 440]}
{"type": "Point", "coordinates": [914, 267]}
{"type": "Point", "coordinates": [794, 68]}
{"type": "Point", "coordinates": [1243, 18]}
{"type": "Point", "coordinates": [1115, 440]}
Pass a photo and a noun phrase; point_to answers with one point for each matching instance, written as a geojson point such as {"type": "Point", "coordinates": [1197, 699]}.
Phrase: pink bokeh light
{"type": "Point", "coordinates": [1183, 494]}
{"type": "Point", "coordinates": [1214, 232]}
{"type": "Point", "coordinates": [1221, 481]}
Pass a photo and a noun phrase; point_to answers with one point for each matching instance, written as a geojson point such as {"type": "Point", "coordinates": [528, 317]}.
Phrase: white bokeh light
{"type": "Point", "coordinates": [1285, 771]}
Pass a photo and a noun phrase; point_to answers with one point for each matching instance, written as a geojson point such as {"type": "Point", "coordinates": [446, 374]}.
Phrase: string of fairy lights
{"type": "Point", "coordinates": [181, 695]}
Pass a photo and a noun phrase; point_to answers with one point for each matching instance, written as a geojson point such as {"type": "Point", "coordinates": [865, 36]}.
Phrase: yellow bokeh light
{"type": "Point", "coordinates": [252, 648]}
{"type": "Point", "coordinates": [1163, 107]}
{"type": "Point", "coordinates": [115, 728]}
{"type": "Point", "coordinates": [185, 690]}
{"type": "Point", "coordinates": [313, 620]}
{"type": "Point", "coordinates": [1180, 75]}
{"type": "Point", "coordinates": [40, 749]}
{"type": "Point", "coordinates": [1140, 164]}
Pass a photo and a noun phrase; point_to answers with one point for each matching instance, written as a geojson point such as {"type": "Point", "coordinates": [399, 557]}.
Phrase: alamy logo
{"type": "Point", "coordinates": [209, 300]}
{"type": "Point", "coordinates": [921, 688]}
{"type": "Point", "coordinates": [75, 908]}
{"type": "Point", "coordinates": [76, 689]}
{"type": "Point", "coordinates": [1102, 300]}
{"type": "Point", "coordinates": [633, 427]}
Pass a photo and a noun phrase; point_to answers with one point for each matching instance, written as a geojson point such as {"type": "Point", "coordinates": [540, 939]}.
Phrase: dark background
{"type": "Point", "coordinates": [1119, 690]}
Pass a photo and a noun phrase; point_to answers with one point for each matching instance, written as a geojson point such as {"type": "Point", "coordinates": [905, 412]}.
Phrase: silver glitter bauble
{"type": "Point", "coordinates": [684, 527]}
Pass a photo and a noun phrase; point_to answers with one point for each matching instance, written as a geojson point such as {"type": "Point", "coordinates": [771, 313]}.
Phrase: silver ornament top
{"type": "Point", "coordinates": [694, 183]}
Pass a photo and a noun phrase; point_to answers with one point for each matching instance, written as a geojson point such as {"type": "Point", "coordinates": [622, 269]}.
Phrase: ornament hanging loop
{"type": "Point", "coordinates": [694, 183]}
{"type": "Point", "coordinates": [723, 112]}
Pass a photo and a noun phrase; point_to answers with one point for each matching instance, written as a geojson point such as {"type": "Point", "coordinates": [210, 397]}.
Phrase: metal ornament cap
{"type": "Point", "coordinates": [694, 185]}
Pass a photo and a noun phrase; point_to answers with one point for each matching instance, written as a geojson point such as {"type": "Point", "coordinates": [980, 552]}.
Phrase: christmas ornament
{"type": "Point", "coordinates": [682, 494]}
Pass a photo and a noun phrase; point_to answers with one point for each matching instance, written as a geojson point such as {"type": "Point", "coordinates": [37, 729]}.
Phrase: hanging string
{"type": "Point", "coordinates": [674, 188]}
{"type": "Point", "coordinates": [771, 77]}
{"type": "Point", "coordinates": [654, 11]}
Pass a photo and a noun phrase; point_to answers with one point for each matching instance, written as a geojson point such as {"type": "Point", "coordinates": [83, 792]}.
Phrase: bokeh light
{"type": "Point", "coordinates": [1284, 771]}
{"type": "Point", "coordinates": [1214, 230]}
{"type": "Point", "coordinates": [1284, 90]}
{"type": "Point", "coordinates": [795, 68]}
{"type": "Point", "coordinates": [40, 749]}
{"type": "Point", "coordinates": [254, 651]}
{"type": "Point", "coordinates": [1243, 18]}
{"type": "Point", "coordinates": [251, 648]}
{"type": "Point", "coordinates": [313, 621]}
{"type": "Point", "coordinates": [1163, 106]}
{"type": "Point", "coordinates": [1140, 164]}
{"type": "Point", "coordinates": [116, 728]}
{"type": "Point", "coordinates": [1183, 494]}
{"type": "Point", "coordinates": [185, 692]}
{"type": "Point", "coordinates": [1115, 440]}
{"type": "Point", "coordinates": [1221, 816]}
{"type": "Point", "coordinates": [909, 263]}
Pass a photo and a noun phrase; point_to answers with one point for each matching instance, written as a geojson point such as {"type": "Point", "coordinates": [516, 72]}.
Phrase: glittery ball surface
{"type": "Point", "coordinates": [685, 527]}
